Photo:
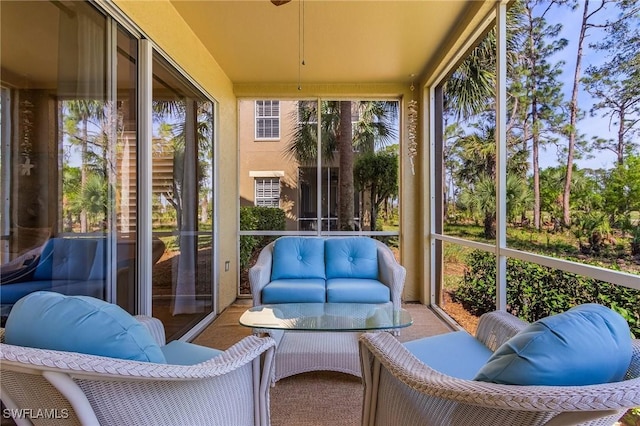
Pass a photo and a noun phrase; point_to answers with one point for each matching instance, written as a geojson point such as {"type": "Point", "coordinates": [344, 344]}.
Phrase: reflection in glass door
{"type": "Point", "coordinates": [182, 178]}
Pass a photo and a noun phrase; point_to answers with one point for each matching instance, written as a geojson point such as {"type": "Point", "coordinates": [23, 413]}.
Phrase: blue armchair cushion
{"type": "Point", "coordinates": [298, 257]}
{"type": "Point", "coordinates": [66, 259]}
{"type": "Point", "coordinates": [49, 320]}
{"type": "Point", "coordinates": [588, 344]}
{"type": "Point", "coordinates": [351, 258]}
{"type": "Point", "coordinates": [177, 352]}
{"type": "Point", "coordinates": [456, 354]}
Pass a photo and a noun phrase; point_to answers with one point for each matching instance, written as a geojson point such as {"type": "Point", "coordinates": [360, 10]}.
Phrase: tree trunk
{"type": "Point", "coordinates": [373, 208]}
{"type": "Point", "coordinates": [84, 174]}
{"type": "Point", "coordinates": [621, 144]}
{"type": "Point", "coordinates": [489, 226]}
{"type": "Point", "coordinates": [345, 148]}
{"type": "Point", "coordinates": [573, 116]}
{"type": "Point", "coordinates": [535, 133]}
{"type": "Point", "coordinates": [535, 147]}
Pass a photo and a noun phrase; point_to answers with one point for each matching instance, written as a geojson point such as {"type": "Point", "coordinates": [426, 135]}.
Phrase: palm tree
{"type": "Point", "coordinates": [81, 113]}
{"type": "Point", "coordinates": [470, 90]}
{"type": "Point", "coordinates": [475, 175]}
{"type": "Point", "coordinates": [374, 127]}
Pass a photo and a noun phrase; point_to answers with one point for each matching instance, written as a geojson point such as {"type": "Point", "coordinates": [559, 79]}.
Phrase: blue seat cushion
{"type": "Point", "coordinates": [295, 291]}
{"type": "Point", "coordinates": [49, 320]}
{"type": "Point", "coordinates": [355, 257]}
{"type": "Point", "coordinates": [588, 344]}
{"type": "Point", "coordinates": [66, 259]}
{"type": "Point", "coordinates": [93, 288]}
{"type": "Point", "coordinates": [356, 290]}
{"type": "Point", "coordinates": [298, 257]}
{"type": "Point", "coordinates": [177, 352]}
{"type": "Point", "coordinates": [456, 354]}
{"type": "Point", "coordinates": [11, 293]}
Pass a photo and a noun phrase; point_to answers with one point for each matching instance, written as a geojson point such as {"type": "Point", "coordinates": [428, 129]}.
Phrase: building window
{"type": "Point", "coordinates": [267, 192]}
{"type": "Point", "coordinates": [267, 119]}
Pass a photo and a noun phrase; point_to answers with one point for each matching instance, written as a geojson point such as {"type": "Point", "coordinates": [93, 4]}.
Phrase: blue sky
{"type": "Point", "coordinates": [591, 126]}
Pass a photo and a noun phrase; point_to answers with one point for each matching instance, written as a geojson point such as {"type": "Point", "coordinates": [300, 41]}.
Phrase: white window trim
{"type": "Point", "coordinates": [270, 200]}
{"type": "Point", "coordinates": [256, 117]}
{"type": "Point", "coordinates": [266, 173]}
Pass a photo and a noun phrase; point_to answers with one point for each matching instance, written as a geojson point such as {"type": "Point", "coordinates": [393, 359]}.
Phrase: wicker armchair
{"type": "Point", "coordinates": [49, 387]}
{"type": "Point", "coordinates": [400, 389]}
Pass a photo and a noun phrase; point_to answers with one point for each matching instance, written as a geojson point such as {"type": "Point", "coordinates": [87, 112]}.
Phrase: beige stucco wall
{"type": "Point", "coordinates": [161, 23]}
{"type": "Point", "coordinates": [262, 156]}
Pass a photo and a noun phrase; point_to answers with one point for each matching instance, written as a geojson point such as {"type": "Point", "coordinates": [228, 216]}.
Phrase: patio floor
{"type": "Point", "coordinates": [317, 398]}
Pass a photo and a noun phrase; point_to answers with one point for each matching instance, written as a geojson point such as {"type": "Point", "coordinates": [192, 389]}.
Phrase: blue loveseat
{"type": "Point", "coordinates": [329, 269]}
{"type": "Point", "coordinates": [71, 266]}
{"type": "Point", "coordinates": [67, 266]}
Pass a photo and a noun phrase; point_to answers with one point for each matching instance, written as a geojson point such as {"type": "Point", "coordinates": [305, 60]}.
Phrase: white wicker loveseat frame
{"type": "Point", "coordinates": [53, 387]}
{"type": "Point", "coordinates": [301, 352]}
{"type": "Point", "coordinates": [400, 389]}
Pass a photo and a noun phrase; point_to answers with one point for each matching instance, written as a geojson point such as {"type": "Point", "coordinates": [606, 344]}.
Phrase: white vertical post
{"type": "Point", "coordinates": [5, 174]}
{"type": "Point", "coordinates": [428, 175]}
{"type": "Point", "coordinates": [319, 169]}
{"type": "Point", "coordinates": [501, 158]}
{"type": "Point", "coordinates": [145, 173]}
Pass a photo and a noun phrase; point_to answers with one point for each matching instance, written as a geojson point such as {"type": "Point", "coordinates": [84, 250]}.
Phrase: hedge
{"type": "Point", "coordinates": [258, 218]}
{"type": "Point", "coordinates": [535, 291]}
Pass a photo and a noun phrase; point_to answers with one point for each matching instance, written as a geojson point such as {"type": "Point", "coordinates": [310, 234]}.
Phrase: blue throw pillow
{"type": "Point", "coordinates": [83, 324]}
{"type": "Point", "coordinates": [588, 344]}
{"type": "Point", "coordinates": [298, 257]}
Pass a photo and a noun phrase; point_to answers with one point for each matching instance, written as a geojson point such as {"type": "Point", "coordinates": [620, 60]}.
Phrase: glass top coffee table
{"type": "Point", "coordinates": [321, 336]}
{"type": "Point", "coordinates": [335, 317]}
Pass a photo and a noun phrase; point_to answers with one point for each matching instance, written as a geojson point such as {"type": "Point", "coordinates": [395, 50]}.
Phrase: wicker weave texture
{"type": "Point", "coordinates": [222, 400]}
{"type": "Point", "coordinates": [230, 389]}
{"type": "Point", "coordinates": [20, 387]}
{"type": "Point", "coordinates": [398, 386]}
{"type": "Point", "coordinates": [302, 352]}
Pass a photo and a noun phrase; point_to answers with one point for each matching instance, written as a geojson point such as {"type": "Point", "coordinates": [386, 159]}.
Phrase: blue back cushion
{"type": "Point", "coordinates": [99, 265]}
{"type": "Point", "coordinates": [83, 324]}
{"type": "Point", "coordinates": [588, 344]}
{"type": "Point", "coordinates": [298, 257]}
{"type": "Point", "coordinates": [355, 257]}
{"type": "Point", "coordinates": [66, 259]}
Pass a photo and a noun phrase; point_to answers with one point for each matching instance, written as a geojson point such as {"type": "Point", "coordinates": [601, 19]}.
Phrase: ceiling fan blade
{"type": "Point", "coordinates": [280, 2]}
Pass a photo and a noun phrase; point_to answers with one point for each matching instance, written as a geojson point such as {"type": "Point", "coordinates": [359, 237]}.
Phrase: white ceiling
{"type": "Point", "coordinates": [345, 41]}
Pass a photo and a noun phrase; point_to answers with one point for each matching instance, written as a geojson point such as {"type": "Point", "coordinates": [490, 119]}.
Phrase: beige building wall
{"type": "Point", "coordinates": [266, 158]}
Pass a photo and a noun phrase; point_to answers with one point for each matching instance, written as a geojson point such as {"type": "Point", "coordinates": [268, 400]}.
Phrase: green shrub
{"type": "Point", "coordinates": [535, 291]}
{"type": "Point", "coordinates": [258, 218]}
